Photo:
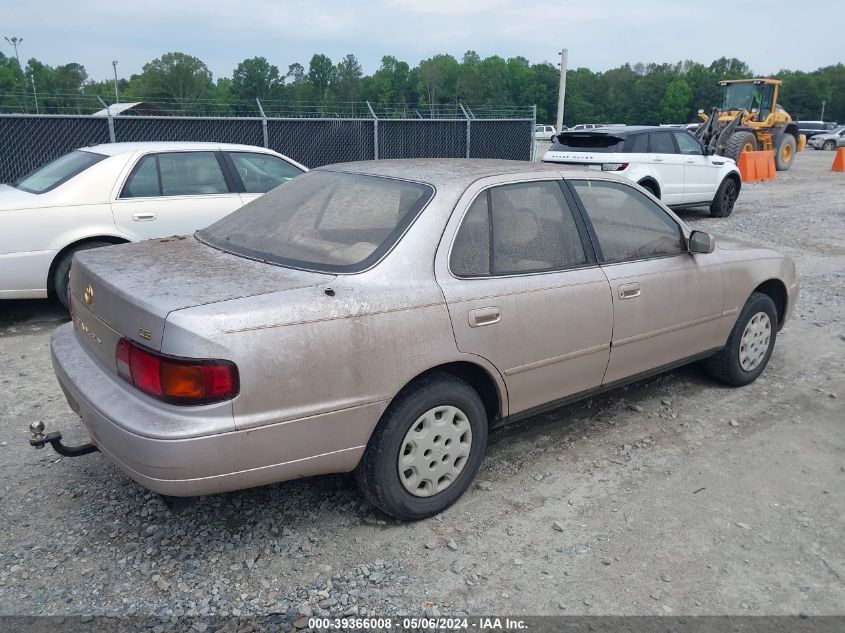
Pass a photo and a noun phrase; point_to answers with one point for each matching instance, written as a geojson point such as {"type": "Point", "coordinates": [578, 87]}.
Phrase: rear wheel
{"type": "Point", "coordinates": [651, 188]}
{"type": "Point", "coordinates": [829, 145]}
{"type": "Point", "coordinates": [723, 202]}
{"type": "Point", "coordinates": [750, 344]}
{"type": "Point", "coordinates": [426, 449]}
{"type": "Point", "coordinates": [61, 273]}
{"type": "Point", "coordinates": [785, 152]}
{"type": "Point", "coordinates": [740, 142]}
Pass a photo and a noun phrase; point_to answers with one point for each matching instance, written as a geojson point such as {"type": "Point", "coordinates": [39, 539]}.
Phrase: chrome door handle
{"type": "Point", "coordinates": [657, 160]}
{"type": "Point", "coordinates": [690, 161]}
{"type": "Point", "coordinates": [629, 291]}
{"type": "Point", "coordinates": [143, 217]}
{"type": "Point", "coordinates": [484, 316]}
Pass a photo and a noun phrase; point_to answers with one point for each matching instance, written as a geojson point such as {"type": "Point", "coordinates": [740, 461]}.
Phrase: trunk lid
{"type": "Point", "coordinates": [129, 289]}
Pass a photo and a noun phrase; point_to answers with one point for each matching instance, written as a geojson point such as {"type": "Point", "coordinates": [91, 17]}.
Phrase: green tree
{"type": "Point", "coordinates": [320, 75]}
{"type": "Point", "coordinates": [174, 78]}
{"type": "Point", "coordinates": [675, 105]}
{"type": "Point", "coordinates": [347, 79]}
{"type": "Point", "coordinates": [256, 78]}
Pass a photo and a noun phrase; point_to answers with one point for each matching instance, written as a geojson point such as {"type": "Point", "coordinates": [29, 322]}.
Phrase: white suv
{"type": "Point", "coordinates": [544, 132]}
{"type": "Point", "coordinates": [671, 164]}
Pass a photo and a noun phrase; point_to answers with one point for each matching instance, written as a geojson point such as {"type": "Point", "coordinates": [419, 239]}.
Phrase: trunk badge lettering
{"type": "Point", "coordinates": [89, 294]}
{"type": "Point", "coordinates": [144, 334]}
{"type": "Point", "coordinates": [87, 331]}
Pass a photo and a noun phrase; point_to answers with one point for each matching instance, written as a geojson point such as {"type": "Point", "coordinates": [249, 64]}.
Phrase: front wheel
{"type": "Point", "coordinates": [725, 199]}
{"type": "Point", "coordinates": [750, 344]}
{"type": "Point", "coordinates": [829, 145]}
{"type": "Point", "coordinates": [426, 449]}
{"type": "Point", "coordinates": [785, 152]}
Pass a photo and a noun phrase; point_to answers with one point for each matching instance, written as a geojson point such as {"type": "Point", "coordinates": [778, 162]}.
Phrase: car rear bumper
{"type": "Point", "coordinates": [205, 464]}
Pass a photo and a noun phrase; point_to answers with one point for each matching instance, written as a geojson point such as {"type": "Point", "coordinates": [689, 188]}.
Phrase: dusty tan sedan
{"type": "Point", "coordinates": [381, 317]}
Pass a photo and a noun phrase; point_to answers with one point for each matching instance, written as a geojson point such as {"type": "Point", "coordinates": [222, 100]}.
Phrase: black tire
{"type": "Point", "coordinates": [726, 195]}
{"type": "Point", "coordinates": [725, 366]}
{"type": "Point", "coordinates": [378, 473]}
{"type": "Point", "coordinates": [61, 273]}
{"type": "Point", "coordinates": [651, 188]}
{"type": "Point", "coordinates": [785, 152]}
{"type": "Point", "coordinates": [739, 140]}
{"type": "Point", "coordinates": [829, 145]}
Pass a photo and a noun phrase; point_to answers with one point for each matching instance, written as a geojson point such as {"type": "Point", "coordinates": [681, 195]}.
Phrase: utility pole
{"type": "Point", "coordinates": [34, 94]}
{"type": "Point", "coordinates": [824, 103]}
{"type": "Point", "coordinates": [561, 95]}
{"type": "Point", "coordinates": [116, 95]}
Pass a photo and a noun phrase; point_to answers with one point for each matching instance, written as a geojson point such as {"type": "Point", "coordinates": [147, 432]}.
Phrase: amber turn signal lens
{"type": "Point", "coordinates": [182, 381]}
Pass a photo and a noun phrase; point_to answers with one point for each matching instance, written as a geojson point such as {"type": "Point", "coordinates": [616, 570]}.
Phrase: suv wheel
{"type": "Point", "coordinates": [651, 188]}
{"type": "Point", "coordinates": [723, 202]}
{"type": "Point", "coordinates": [426, 449]}
{"type": "Point", "coordinates": [750, 344]}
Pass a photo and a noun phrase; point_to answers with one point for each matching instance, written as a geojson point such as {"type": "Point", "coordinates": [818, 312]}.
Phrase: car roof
{"type": "Point", "coordinates": [622, 132]}
{"type": "Point", "coordinates": [446, 171]}
{"type": "Point", "coordinates": [113, 149]}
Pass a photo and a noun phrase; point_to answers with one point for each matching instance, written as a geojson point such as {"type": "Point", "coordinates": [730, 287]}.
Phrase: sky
{"type": "Point", "coordinates": [598, 34]}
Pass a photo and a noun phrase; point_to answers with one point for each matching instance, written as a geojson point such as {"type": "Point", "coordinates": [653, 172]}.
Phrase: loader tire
{"type": "Point", "coordinates": [785, 152]}
{"type": "Point", "coordinates": [740, 142]}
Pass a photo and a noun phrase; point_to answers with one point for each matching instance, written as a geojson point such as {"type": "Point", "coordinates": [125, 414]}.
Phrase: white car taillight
{"type": "Point", "coordinates": [614, 166]}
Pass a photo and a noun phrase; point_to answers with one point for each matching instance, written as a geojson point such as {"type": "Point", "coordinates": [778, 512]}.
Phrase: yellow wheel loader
{"type": "Point", "coordinates": [749, 120]}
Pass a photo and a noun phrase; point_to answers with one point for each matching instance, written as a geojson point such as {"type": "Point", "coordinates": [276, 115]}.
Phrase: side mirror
{"type": "Point", "coordinates": [701, 242]}
{"type": "Point", "coordinates": [709, 150]}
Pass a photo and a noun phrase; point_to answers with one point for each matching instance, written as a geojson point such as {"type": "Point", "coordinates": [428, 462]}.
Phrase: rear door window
{"type": "Point", "coordinates": [143, 181]}
{"type": "Point", "coordinates": [520, 228]}
{"type": "Point", "coordinates": [639, 144]}
{"type": "Point", "coordinates": [191, 174]}
{"type": "Point", "coordinates": [661, 143]}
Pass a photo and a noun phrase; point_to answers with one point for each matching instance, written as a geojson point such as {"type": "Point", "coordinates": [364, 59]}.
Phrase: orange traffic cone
{"type": "Point", "coordinates": [839, 161]}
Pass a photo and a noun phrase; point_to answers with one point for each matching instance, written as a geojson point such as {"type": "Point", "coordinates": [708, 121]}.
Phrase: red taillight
{"type": "Point", "coordinates": [176, 380]}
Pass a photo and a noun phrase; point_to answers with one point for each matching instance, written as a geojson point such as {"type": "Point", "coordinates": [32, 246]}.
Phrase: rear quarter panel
{"type": "Point", "coordinates": [302, 354]}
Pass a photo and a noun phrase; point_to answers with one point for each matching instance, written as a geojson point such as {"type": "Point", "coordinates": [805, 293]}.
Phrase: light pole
{"type": "Point", "coordinates": [34, 94]}
{"type": "Point", "coordinates": [15, 41]}
{"type": "Point", "coordinates": [116, 95]}
{"type": "Point", "coordinates": [561, 95]}
{"type": "Point", "coordinates": [824, 103]}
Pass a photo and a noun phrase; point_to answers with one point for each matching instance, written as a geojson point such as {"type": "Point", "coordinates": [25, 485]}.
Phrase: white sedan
{"type": "Point", "coordinates": [122, 192]}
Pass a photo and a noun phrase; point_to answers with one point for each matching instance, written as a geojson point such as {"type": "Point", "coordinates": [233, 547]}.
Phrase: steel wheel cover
{"type": "Point", "coordinates": [755, 341]}
{"type": "Point", "coordinates": [434, 451]}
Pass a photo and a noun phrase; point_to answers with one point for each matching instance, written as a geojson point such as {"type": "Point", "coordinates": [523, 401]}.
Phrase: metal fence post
{"type": "Point", "coordinates": [375, 131]}
{"type": "Point", "coordinates": [533, 127]}
{"type": "Point", "coordinates": [111, 120]}
{"type": "Point", "coordinates": [469, 134]}
{"type": "Point", "coordinates": [263, 124]}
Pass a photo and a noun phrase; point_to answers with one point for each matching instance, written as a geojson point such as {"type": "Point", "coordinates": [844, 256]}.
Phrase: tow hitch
{"type": "Point", "coordinates": [54, 439]}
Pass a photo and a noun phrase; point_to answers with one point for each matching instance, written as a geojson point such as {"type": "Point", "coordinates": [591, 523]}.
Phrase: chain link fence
{"type": "Point", "coordinates": [29, 141]}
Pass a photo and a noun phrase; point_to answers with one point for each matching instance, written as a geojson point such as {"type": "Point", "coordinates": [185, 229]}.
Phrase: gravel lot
{"type": "Point", "coordinates": [672, 496]}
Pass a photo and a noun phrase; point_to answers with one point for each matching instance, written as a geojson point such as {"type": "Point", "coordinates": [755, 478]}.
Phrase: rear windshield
{"type": "Point", "coordinates": [325, 221]}
{"type": "Point", "coordinates": [585, 141]}
{"type": "Point", "coordinates": [58, 171]}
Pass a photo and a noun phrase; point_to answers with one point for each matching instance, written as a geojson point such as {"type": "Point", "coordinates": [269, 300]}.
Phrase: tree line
{"type": "Point", "coordinates": [631, 94]}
